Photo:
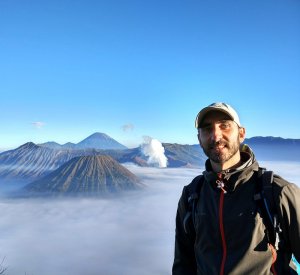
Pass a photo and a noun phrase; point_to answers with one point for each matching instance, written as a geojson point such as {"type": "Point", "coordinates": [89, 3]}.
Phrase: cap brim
{"type": "Point", "coordinates": [206, 110]}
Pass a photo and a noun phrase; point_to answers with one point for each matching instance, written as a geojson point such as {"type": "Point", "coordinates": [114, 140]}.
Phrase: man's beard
{"type": "Point", "coordinates": [216, 155]}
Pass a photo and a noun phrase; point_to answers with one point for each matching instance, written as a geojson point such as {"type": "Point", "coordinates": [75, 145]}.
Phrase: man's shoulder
{"type": "Point", "coordinates": [196, 180]}
{"type": "Point", "coordinates": [269, 177]}
{"type": "Point", "coordinates": [194, 186]}
{"type": "Point", "coordinates": [279, 181]}
{"type": "Point", "coordinates": [282, 188]}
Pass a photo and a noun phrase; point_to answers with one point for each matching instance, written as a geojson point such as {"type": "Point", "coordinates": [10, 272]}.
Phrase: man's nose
{"type": "Point", "coordinates": [216, 133]}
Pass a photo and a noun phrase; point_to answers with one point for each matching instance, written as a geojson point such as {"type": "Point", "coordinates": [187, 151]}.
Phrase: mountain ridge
{"type": "Point", "coordinates": [96, 140]}
{"type": "Point", "coordinates": [30, 162]}
{"type": "Point", "coordinates": [271, 139]}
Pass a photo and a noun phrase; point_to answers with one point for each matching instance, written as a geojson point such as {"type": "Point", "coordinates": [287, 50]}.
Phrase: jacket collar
{"type": "Point", "coordinates": [233, 177]}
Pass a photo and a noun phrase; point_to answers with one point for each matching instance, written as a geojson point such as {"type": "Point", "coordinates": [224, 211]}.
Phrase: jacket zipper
{"type": "Point", "coordinates": [221, 204]}
{"type": "Point", "coordinates": [220, 185]}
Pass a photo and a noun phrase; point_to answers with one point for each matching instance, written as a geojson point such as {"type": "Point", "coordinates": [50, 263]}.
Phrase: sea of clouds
{"type": "Point", "coordinates": [130, 234]}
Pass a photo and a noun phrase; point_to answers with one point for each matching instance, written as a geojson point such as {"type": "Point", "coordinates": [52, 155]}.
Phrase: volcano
{"type": "Point", "coordinates": [88, 175]}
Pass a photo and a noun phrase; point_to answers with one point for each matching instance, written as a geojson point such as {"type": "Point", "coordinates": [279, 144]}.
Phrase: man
{"type": "Point", "coordinates": [226, 232]}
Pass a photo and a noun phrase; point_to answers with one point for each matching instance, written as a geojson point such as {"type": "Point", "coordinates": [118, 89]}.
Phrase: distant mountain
{"type": "Point", "coordinates": [275, 148]}
{"type": "Point", "coordinates": [272, 141]}
{"type": "Point", "coordinates": [51, 144]}
{"type": "Point", "coordinates": [264, 148]}
{"type": "Point", "coordinates": [30, 161]}
{"type": "Point", "coordinates": [69, 145]}
{"type": "Point", "coordinates": [184, 155]}
{"type": "Point", "coordinates": [88, 175]}
{"type": "Point", "coordinates": [178, 155]}
{"type": "Point", "coordinates": [99, 141]}
{"type": "Point", "coordinates": [27, 161]}
{"type": "Point", "coordinates": [133, 155]}
{"type": "Point", "coordinates": [95, 141]}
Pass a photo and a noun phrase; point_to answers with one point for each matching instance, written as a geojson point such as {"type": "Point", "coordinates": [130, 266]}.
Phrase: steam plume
{"type": "Point", "coordinates": [153, 149]}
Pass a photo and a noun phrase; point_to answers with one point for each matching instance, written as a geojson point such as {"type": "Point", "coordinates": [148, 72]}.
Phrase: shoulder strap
{"type": "Point", "coordinates": [264, 197]}
{"type": "Point", "coordinates": [193, 192]}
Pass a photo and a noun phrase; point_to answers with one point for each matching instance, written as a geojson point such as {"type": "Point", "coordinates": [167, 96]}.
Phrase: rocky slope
{"type": "Point", "coordinates": [88, 175]}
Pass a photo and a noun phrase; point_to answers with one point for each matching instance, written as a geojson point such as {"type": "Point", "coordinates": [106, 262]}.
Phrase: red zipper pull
{"type": "Point", "coordinates": [220, 183]}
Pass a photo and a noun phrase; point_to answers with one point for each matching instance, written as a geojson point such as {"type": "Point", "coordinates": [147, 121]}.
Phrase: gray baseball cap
{"type": "Point", "coordinates": [220, 107]}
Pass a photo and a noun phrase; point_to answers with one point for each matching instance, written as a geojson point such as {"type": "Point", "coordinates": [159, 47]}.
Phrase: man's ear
{"type": "Point", "coordinates": [242, 134]}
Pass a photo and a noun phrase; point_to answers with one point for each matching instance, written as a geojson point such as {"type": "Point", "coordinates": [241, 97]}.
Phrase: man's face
{"type": "Point", "coordinates": [220, 137]}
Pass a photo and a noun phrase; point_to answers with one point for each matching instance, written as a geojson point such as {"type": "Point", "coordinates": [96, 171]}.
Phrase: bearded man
{"type": "Point", "coordinates": [224, 223]}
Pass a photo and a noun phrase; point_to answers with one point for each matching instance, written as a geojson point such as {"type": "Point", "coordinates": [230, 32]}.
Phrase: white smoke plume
{"type": "Point", "coordinates": [153, 149]}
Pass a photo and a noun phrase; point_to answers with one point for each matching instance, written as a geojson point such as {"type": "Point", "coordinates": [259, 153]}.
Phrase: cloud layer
{"type": "Point", "coordinates": [123, 235]}
{"type": "Point", "coordinates": [129, 235]}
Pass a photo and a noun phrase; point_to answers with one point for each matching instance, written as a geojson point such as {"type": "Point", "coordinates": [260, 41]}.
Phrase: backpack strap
{"type": "Point", "coordinates": [264, 196]}
{"type": "Point", "coordinates": [193, 192]}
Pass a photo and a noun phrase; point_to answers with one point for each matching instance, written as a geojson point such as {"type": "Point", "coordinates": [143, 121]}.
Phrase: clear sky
{"type": "Point", "coordinates": [145, 68]}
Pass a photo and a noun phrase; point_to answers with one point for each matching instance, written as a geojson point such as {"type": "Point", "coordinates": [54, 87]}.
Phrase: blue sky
{"type": "Point", "coordinates": [72, 68]}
